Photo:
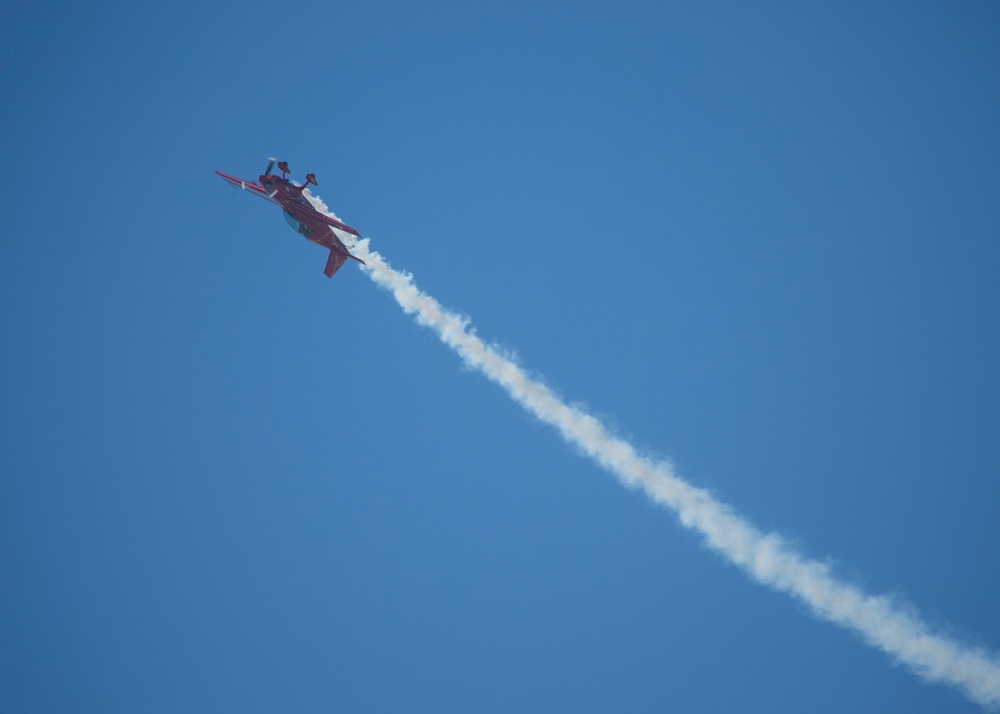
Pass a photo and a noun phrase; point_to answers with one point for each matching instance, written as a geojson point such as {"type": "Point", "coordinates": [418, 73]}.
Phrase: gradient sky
{"type": "Point", "coordinates": [761, 241]}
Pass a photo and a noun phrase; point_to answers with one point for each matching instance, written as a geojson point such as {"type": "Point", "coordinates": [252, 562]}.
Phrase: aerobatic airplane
{"type": "Point", "coordinates": [299, 213]}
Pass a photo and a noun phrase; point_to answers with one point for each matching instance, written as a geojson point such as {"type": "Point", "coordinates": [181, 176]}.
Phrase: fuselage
{"type": "Point", "coordinates": [298, 210]}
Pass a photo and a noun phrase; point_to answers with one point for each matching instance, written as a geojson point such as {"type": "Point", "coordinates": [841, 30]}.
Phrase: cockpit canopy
{"type": "Point", "coordinates": [296, 224]}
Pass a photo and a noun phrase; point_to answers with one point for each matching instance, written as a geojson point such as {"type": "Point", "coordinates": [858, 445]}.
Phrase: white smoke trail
{"type": "Point", "coordinates": [765, 557]}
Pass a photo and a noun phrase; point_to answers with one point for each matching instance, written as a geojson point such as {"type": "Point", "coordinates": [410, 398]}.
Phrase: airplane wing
{"type": "Point", "coordinates": [329, 221]}
{"type": "Point", "coordinates": [248, 186]}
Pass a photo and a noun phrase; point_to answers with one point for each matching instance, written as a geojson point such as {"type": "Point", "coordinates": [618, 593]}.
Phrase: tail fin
{"type": "Point", "coordinates": [334, 262]}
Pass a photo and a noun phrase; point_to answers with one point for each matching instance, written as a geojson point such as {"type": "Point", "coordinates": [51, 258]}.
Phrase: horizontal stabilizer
{"type": "Point", "coordinates": [334, 262]}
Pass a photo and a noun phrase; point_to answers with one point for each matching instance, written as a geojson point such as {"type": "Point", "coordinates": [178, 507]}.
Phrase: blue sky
{"type": "Point", "coordinates": [761, 241]}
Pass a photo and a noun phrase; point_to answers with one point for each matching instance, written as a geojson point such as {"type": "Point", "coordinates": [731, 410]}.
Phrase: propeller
{"type": "Point", "coordinates": [270, 165]}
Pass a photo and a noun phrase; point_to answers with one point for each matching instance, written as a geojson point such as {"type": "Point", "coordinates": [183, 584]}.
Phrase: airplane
{"type": "Point", "coordinates": [299, 213]}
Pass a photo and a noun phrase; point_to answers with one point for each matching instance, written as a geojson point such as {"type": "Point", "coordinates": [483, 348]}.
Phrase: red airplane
{"type": "Point", "coordinates": [299, 213]}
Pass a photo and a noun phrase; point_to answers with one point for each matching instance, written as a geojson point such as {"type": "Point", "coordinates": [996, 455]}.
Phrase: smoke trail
{"type": "Point", "coordinates": [765, 557]}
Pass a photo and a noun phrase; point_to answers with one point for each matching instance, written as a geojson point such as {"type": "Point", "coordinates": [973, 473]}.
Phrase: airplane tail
{"type": "Point", "coordinates": [334, 262]}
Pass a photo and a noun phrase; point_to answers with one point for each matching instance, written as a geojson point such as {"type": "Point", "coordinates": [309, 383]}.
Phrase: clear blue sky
{"type": "Point", "coordinates": [761, 240]}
